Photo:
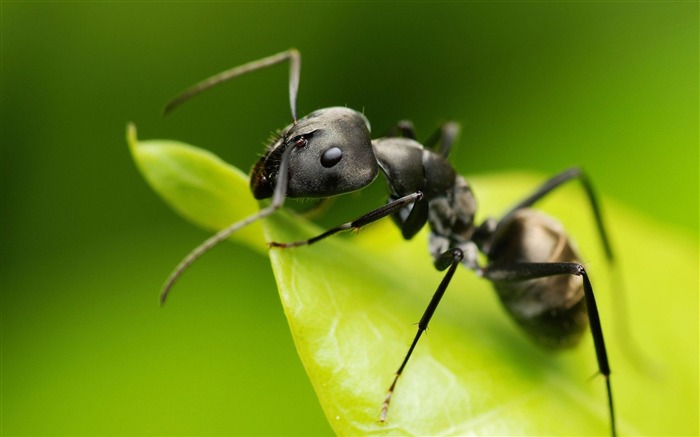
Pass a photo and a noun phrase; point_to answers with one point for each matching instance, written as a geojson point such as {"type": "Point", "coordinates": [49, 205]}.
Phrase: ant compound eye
{"type": "Point", "coordinates": [331, 157]}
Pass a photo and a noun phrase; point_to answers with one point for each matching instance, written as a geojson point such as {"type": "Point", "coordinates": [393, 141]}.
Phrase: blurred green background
{"type": "Point", "coordinates": [612, 87]}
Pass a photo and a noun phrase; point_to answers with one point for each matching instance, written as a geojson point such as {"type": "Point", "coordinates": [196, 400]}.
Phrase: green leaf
{"type": "Point", "coordinates": [351, 302]}
{"type": "Point", "coordinates": [197, 185]}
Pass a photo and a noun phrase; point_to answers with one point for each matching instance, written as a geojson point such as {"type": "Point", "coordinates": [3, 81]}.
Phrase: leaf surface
{"type": "Point", "coordinates": [351, 302]}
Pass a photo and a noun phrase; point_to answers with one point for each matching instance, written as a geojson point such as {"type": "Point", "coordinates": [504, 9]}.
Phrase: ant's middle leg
{"type": "Point", "coordinates": [448, 260]}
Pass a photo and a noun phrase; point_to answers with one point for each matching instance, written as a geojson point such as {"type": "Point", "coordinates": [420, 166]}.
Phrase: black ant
{"type": "Point", "coordinates": [531, 261]}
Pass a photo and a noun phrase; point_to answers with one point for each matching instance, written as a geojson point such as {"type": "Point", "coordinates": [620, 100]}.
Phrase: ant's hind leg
{"type": "Point", "coordinates": [516, 272]}
{"type": "Point", "coordinates": [557, 181]}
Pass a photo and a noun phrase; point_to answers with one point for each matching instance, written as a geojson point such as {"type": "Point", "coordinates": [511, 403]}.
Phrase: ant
{"type": "Point", "coordinates": [532, 264]}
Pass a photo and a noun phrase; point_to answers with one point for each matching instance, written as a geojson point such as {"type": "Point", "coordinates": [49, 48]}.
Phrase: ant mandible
{"type": "Point", "coordinates": [532, 264]}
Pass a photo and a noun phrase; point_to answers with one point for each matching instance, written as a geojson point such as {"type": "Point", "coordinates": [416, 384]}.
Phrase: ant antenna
{"type": "Point", "coordinates": [280, 191]}
{"type": "Point", "coordinates": [294, 72]}
{"type": "Point", "coordinates": [278, 196]}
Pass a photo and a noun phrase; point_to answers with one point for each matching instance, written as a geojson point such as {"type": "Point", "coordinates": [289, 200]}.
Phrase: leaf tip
{"type": "Point", "coordinates": [131, 137]}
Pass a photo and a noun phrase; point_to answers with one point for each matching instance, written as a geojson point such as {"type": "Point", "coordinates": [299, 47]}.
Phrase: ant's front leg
{"type": "Point", "coordinates": [364, 220]}
{"type": "Point", "coordinates": [443, 138]}
{"type": "Point", "coordinates": [403, 129]}
{"type": "Point", "coordinates": [440, 141]}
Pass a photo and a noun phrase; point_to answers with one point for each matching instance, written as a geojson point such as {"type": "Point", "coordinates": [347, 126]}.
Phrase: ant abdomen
{"type": "Point", "coordinates": [551, 309]}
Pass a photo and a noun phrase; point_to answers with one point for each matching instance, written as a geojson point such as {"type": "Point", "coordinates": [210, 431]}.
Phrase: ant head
{"type": "Point", "coordinates": [333, 155]}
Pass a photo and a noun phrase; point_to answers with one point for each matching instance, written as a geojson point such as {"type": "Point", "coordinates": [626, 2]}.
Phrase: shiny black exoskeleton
{"type": "Point", "coordinates": [531, 262]}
